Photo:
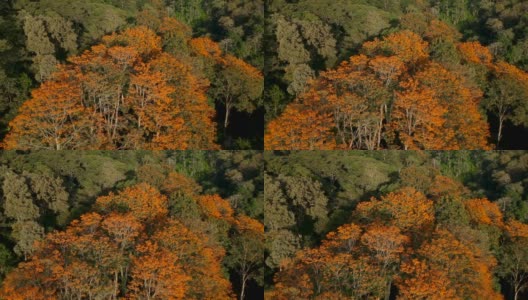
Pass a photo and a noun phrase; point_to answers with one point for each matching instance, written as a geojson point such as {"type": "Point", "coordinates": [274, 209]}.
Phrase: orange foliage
{"type": "Point", "coordinates": [121, 251]}
{"type": "Point", "coordinates": [245, 68]}
{"type": "Point", "coordinates": [245, 223]}
{"type": "Point", "coordinates": [448, 255]}
{"type": "Point", "coordinates": [425, 282]}
{"type": "Point", "coordinates": [54, 119]}
{"type": "Point", "coordinates": [122, 228]}
{"type": "Point", "coordinates": [142, 201]}
{"type": "Point", "coordinates": [392, 95]}
{"type": "Point", "coordinates": [474, 52]}
{"type": "Point", "coordinates": [419, 118]}
{"type": "Point", "coordinates": [462, 104]}
{"type": "Point", "coordinates": [202, 261]}
{"type": "Point", "coordinates": [386, 242]}
{"type": "Point", "coordinates": [181, 185]}
{"type": "Point", "coordinates": [191, 100]}
{"type": "Point", "coordinates": [157, 274]}
{"type": "Point", "coordinates": [205, 47]}
{"type": "Point", "coordinates": [387, 68]}
{"type": "Point", "coordinates": [408, 209]}
{"type": "Point", "coordinates": [440, 31]}
{"type": "Point", "coordinates": [503, 68]}
{"type": "Point", "coordinates": [20, 286]}
{"type": "Point", "coordinates": [142, 39]}
{"type": "Point", "coordinates": [407, 45]}
{"type": "Point", "coordinates": [338, 267]}
{"type": "Point", "coordinates": [361, 260]}
{"type": "Point", "coordinates": [443, 186]}
{"type": "Point", "coordinates": [517, 229]}
{"type": "Point", "coordinates": [482, 211]}
{"type": "Point", "coordinates": [216, 207]}
{"type": "Point", "coordinates": [122, 94]}
{"type": "Point", "coordinates": [158, 119]}
{"type": "Point", "coordinates": [344, 238]}
{"type": "Point", "coordinates": [300, 129]}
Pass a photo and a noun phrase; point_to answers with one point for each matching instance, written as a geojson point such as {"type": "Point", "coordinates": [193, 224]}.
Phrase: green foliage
{"type": "Point", "coordinates": [6, 260]}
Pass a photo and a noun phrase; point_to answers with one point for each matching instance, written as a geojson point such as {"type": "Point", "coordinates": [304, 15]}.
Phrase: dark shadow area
{"type": "Point", "coordinates": [513, 137]}
{"type": "Point", "coordinates": [244, 132]}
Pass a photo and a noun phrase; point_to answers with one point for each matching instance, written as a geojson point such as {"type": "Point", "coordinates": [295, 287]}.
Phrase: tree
{"type": "Point", "coordinates": [125, 93]}
{"type": "Point", "coordinates": [406, 45]}
{"type": "Point", "coordinates": [386, 245]}
{"type": "Point", "coordinates": [299, 128]}
{"type": "Point", "coordinates": [291, 49]}
{"type": "Point", "coordinates": [513, 258]}
{"type": "Point", "coordinates": [143, 201]}
{"type": "Point", "coordinates": [483, 211]}
{"type": "Point", "coordinates": [425, 283]}
{"type": "Point", "coordinates": [463, 115]}
{"type": "Point", "coordinates": [26, 233]}
{"type": "Point", "coordinates": [52, 120]}
{"type": "Point", "coordinates": [418, 117]}
{"type": "Point", "coordinates": [235, 83]}
{"type": "Point", "coordinates": [392, 95]}
{"type": "Point", "coordinates": [238, 85]}
{"type": "Point", "coordinates": [407, 209]}
{"type": "Point", "coordinates": [460, 268]}
{"type": "Point", "coordinates": [156, 274]}
{"type": "Point", "coordinates": [474, 52]}
{"type": "Point", "coordinates": [506, 95]}
{"type": "Point", "coordinates": [246, 253]}
{"type": "Point", "coordinates": [39, 43]}
{"type": "Point", "coordinates": [49, 191]}
{"type": "Point", "coordinates": [18, 204]}
{"type": "Point", "coordinates": [201, 258]}
{"type": "Point", "coordinates": [128, 247]}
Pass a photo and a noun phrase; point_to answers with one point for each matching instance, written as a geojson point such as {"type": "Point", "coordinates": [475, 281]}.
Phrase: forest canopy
{"type": "Point", "coordinates": [396, 224]}
{"type": "Point", "coordinates": [158, 225]}
{"type": "Point", "coordinates": [353, 75]}
{"type": "Point", "coordinates": [41, 60]}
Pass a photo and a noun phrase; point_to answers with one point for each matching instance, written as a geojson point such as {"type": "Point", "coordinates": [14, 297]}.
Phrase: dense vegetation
{"type": "Point", "coordinates": [392, 74]}
{"type": "Point", "coordinates": [404, 224]}
{"type": "Point", "coordinates": [38, 36]}
{"type": "Point", "coordinates": [149, 225]}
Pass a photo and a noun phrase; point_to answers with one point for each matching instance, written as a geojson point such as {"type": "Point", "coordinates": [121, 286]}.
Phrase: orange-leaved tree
{"type": "Point", "coordinates": [124, 93]}
{"type": "Point", "coordinates": [397, 241]}
{"type": "Point", "coordinates": [127, 248]}
{"type": "Point", "coordinates": [391, 95]}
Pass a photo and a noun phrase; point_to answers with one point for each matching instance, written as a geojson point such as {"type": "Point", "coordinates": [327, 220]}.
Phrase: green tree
{"type": "Point", "coordinates": [25, 233]}
{"type": "Point", "coordinates": [506, 96]}
{"type": "Point", "coordinates": [18, 201]}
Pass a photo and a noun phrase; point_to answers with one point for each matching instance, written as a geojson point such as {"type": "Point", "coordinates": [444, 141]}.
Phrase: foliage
{"type": "Point", "coordinates": [42, 35]}
{"type": "Point", "coordinates": [470, 39]}
{"type": "Point", "coordinates": [127, 209]}
{"type": "Point", "coordinates": [429, 225]}
{"type": "Point", "coordinates": [392, 96]}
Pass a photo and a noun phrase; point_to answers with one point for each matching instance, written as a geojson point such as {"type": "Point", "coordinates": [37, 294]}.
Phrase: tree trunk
{"type": "Point", "coordinates": [499, 134]}
{"type": "Point", "coordinates": [226, 120]}
{"type": "Point", "coordinates": [388, 290]}
{"type": "Point", "coordinates": [243, 289]}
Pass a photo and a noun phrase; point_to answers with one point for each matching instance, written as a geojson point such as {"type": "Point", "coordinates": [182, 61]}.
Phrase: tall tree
{"type": "Point", "coordinates": [391, 95]}
{"type": "Point", "coordinates": [122, 94]}
{"type": "Point", "coordinates": [128, 247]}
{"type": "Point", "coordinates": [506, 96]}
